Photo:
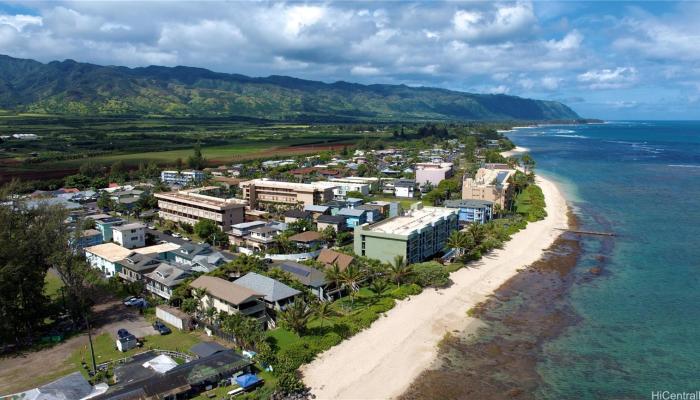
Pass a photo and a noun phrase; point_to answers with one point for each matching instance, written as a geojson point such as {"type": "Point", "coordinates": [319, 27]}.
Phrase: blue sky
{"type": "Point", "coordinates": [611, 60]}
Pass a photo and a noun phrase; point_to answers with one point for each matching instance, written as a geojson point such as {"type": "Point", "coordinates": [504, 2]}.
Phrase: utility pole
{"type": "Point", "coordinates": [92, 350]}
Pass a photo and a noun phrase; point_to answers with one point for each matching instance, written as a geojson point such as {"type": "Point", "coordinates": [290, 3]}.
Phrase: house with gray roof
{"type": "Point", "coordinates": [136, 265]}
{"type": "Point", "coordinates": [165, 278]}
{"type": "Point", "coordinates": [276, 294]}
{"type": "Point", "coordinates": [310, 277]}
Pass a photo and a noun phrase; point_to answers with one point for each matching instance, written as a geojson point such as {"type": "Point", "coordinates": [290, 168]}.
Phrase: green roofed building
{"type": "Point", "coordinates": [416, 236]}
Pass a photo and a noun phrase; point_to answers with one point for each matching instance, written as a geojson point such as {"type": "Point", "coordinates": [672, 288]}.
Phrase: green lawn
{"type": "Point", "coordinates": [52, 285]}
{"type": "Point", "coordinates": [405, 203]}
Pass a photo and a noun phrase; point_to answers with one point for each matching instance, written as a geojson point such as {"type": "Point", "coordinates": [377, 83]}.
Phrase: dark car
{"type": "Point", "coordinates": [168, 232]}
{"type": "Point", "coordinates": [122, 333]}
{"type": "Point", "coordinates": [161, 328]}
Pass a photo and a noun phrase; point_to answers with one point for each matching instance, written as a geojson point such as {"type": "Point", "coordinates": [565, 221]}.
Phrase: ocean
{"type": "Point", "coordinates": [602, 317]}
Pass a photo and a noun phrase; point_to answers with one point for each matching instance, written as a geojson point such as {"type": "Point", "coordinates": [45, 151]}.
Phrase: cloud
{"type": "Point", "coordinates": [362, 70]}
{"type": "Point", "coordinates": [20, 21]}
{"type": "Point", "coordinates": [504, 21]}
{"type": "Point", "coordinates": [572, 41]}
{"type": "Point", "coordinates": [609, 78]}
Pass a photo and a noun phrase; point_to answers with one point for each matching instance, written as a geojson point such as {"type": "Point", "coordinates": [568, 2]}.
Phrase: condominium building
{"type": "Point", "coordinates": [490, 184]}
{"type": "Point", "coordinates": [259, 192]}
{"type": "Point", "coordinates": [433, 173]}
{"type": "Point", "coordinates": [371, 182]}
{"type": "Point", "coordinates": [416, 236]}
{"type": "Point", "coordinates": [182, 178]}
{"type": "Point", "coordinates": [193, 205]}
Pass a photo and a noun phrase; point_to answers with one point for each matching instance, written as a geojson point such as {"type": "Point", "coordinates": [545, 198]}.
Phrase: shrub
{"type": "Point", "coordinates": [289, 382]}
{"type": "Point", "coordinates": [405, 291]}
{"type": "Point", "coordinates": [430, 274]}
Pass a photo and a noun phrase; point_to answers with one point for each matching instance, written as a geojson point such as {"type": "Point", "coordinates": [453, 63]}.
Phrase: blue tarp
{"type": "Point", "coordinates": [247, 380]}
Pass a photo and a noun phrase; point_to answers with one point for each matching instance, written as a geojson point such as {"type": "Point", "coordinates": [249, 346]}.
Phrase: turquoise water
{"type": "Point", "coordinates": [640, 322]}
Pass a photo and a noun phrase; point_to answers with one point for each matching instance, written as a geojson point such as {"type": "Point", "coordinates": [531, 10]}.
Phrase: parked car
{"type": "Point", "coordinates": [122, 333]}
{"type": "Point", "coordinates": [133, 301]}
{"type": "Point", "coordinates": [186, 239]}
{"type": "Point", "coordinates": [161, 328]}
{"type": "Point", "coordinates": [168, 232]}
{"type": "Point", "coordinates": [152, 227]}
{"type": "Point", "coordinates": [127, 301]}
{"type": "Point", "coordinates": [176, 235]}
{"type": "Point", "coordinates": [139, 303]}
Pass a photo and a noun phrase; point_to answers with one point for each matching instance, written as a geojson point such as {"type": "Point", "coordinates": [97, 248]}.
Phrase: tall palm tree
{"type": "Point", "coordinates": [334, 275]}
{"type": "Point", "coordinates": [399, 270]}
{"type": "Point", "coordinates": [351, 278]}
{"type": "Point", "coordinates": [324, 311]}
{"type": "Point", "coordinates": [296, 316]}
{"type": "Point", "coordinates": [458, 241]}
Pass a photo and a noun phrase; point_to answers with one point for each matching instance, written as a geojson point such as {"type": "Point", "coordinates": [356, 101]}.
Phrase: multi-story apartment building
{"type": "Point", "coordinates": [259, 192]}
{"type": "Point", "coordinates": [182, 178]}
{"type": "Point", "coordinates": [433, 173]}
{"type": "Point", "coordinates": [472, 211]}
{"type": "Point", "coordinates": [192, 205]}
{"type": "Point", "coordinates": [490, 184]}
{"type": "Point", "coordinates": [416, 236]}
{"type": "Point", "coordinates": [371, 182]}
{"type": "Point", "coordinates": [130, 236]}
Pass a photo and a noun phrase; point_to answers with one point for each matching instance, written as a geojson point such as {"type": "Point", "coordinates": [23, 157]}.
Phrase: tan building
{"type": "Point", "coordinates": [261, 191]}
{"type": "Point", "coordinates": [229, 297]}
{"type": "Point", "coordinates": [192, 205]}
{"type": "Point", "coordinates": [490, 184]}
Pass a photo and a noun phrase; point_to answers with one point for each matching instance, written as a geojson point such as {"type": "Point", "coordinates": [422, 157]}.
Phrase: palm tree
{"type": "Point", "coordinates": [458, 241]}
{"type": "Point", "coordinates": [478, 233]}
{"type": "Point", "coordinates": [399, 270]}
{"type": "Point", "coordinates": [324, 311]}
{"type": "Point", "coordinates": [350, 278]}
{"type": "Point", "coordinates": [379, 286]}
{"type": "Point", "coordinates": [334, 275]}
{"type": "Point", "coordinates": [296, 316]}
{"type": "Point", "coordinates": [497, 210]}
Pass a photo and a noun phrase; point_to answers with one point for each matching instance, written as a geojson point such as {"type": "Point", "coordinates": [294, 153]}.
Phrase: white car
{"type": "Point", "coordinates": [176, 235]}
{"type": "Point", "coordinates": [152, 227]}
{"type": "Point", "coordinates": [186, 239]}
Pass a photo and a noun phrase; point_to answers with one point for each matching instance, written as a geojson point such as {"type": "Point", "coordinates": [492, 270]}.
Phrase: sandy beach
{"type": "Point", "coordinates": [515, 151]}
{"type": "Point", "coordinates": [382, 361]}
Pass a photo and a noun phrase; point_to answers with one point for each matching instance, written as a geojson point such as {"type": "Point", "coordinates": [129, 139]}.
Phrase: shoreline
{"type": "Point", "coordinates": [517, 150]}
{"type": "Point", "coordinates": [382, 361]}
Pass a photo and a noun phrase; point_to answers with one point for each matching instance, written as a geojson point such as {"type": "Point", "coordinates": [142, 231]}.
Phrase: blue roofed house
{"type": "Point", "coordinates": [353, 216]}
{"type": "Point", "coordinates": [472, 211]}
{"type": "Point", "coordinates": [88, 238]}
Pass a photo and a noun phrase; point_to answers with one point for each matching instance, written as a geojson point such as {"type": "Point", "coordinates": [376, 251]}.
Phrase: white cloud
{"type": "Point", "coordinates": [550, 82]}
{"type": "Point", "coordinates": [609, 78]}
{"type": "Point", "coordinates": [363, 70]}
{"type": "Point", "coordinates": [504, 21]}
{"type": "Point", "coordinates": [572, 41]}
{"type": "Point", "coordinates": [19, 21]}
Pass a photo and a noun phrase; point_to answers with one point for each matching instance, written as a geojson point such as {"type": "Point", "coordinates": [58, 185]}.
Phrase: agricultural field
{"type": "Point", "coordinates": [63, 143]}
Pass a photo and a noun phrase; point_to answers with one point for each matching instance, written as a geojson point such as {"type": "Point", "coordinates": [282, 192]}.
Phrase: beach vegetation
{"type": "Point", "coordinates": [430, 274]}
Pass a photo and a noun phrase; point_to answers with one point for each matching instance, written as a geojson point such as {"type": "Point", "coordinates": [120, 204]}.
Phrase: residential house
{"type": "Point", "coordinates": [317, 210]}
{"type": "Point", "coordinates": [310, 277]}
{"type": "Point", "coordinates": [165, 278]}
{"type": "Point", "coordinates": [88, 238]}
{"type": "Point", "coordinates": [229, 297]}
{"type": "Point", "coordinates": [308, 240]}
{"type": "Point", "coordinates": [130, 235]}
{"type": "Point", "coordinates": [106, 256]}
{"type": "Point", "coordinates": [331, 257]}
{"type": "Point", "coordinates": [239, 232]}
{"type": "Point", "coordinates": [261, 239]}
{"type": "Point", "coordinates": [295, 215]}
{"type": "Point", "coordinates": [353, 216]}
{"type": "Point", "coordinates": [106, 225]}
{"type": "Point", "coordinates": [337, 222]}
{"type": "Point", "coordinates": [135, 266]}
{"type": "Point", "coordinates": [199, 257]}
{"type": "Point", "coordinates": [472, 211]}
{"type": "Point", "coordinates": [404, 188]}
{"type": "Point", "coordinates": [276, 294]}
{"type": "Point", "coordinates": [374, 213]}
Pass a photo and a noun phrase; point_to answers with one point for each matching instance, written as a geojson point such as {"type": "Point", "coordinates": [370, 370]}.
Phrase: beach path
{"type": "Point", "coordinates": [382, 361]}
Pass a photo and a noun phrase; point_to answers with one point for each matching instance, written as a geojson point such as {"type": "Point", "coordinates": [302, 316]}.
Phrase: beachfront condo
{"type": "Point", "coordinates": [193, 205]}
{"type": "Point", "coordinates": [490, 184]}
{"type": "Point", "coordinates": [416, 236]}
{"type": "Point", "coordinates": [263, 191]}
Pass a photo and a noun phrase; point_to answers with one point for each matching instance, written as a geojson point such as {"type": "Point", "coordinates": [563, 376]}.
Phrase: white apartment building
{"type": "Point", "coordinates": [182, 178]}
{"type": "Point", "coordinates": [130, 236]}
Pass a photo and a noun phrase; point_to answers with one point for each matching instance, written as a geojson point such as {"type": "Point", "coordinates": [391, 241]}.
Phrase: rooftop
{"type": "Point", "coordinates": [303, 273]}
{"type": "Point", "coordinates": [467, 203]}
{"type": "Point", "coordinates": [222, 289]}
{"type": "Point", "coordinates": [416, 219]}
{"type": "Point", "coordinates": [127, 227]}
{"type": "Point", "coordinates": [272, 289]}
{"type": "Point", "coordinates": [194, 196]}
{"type": "Point", "coordinates": [289, 185]}
{"type": "Point", "coordinates": [330, 257]}
{"type": "Point", "coordinates": [305, 237]}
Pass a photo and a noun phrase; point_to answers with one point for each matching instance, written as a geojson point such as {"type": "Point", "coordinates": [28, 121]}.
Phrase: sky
{"type": "Point", "coordinates": [609, 60]}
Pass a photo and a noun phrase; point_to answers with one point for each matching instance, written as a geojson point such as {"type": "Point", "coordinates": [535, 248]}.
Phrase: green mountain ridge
{"type": "Point", "coordinates": [70, 87]}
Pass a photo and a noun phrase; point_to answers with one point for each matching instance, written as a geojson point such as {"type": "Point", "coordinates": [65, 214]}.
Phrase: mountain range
{"type": "Point", "coordinates": [75, 88]}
